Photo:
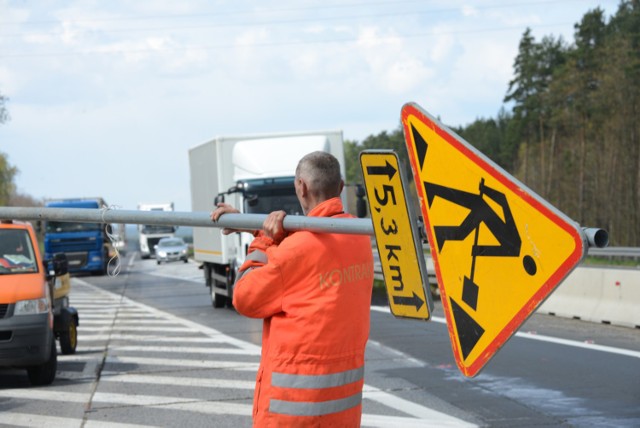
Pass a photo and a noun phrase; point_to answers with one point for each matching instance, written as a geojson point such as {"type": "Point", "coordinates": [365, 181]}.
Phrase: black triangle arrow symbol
{"type": "Point", "coordinates": [421, 145]}
{"type": "Point", "coordinates": [469, 331]}
{"type": "Point", "coordinates": [387, 170]}
{"type": "Point", "coordinates": [414, 300]}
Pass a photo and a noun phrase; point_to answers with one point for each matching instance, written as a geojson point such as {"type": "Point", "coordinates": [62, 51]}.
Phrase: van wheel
{"type": "Point", "coordinates": [69, 339]}
{"type": "Point", "coordinates": [45, 373]}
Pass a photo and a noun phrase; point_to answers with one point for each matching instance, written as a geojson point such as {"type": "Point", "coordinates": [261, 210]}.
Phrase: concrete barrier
{"type": "Point", "coordinates": [603, 295]}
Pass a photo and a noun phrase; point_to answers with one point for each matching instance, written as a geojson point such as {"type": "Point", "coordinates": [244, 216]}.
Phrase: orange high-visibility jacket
{"type": "Point", "coordinates": [313, 291]}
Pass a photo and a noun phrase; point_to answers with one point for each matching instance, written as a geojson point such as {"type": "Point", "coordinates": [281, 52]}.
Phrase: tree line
{"type": "Point", "coordinates": [570, 125]}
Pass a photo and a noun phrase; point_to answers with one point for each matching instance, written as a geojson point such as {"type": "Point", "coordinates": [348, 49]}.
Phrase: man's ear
{"type": "Point", "coordinates": [340, 187]}
{"type": "Point", "coordinates": [304, 189]}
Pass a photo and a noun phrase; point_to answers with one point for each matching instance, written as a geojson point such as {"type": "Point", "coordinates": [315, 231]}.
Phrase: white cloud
{"type": "Point", "coordinates": [469, 10]}
{"type": "Point", "coordinates": [165, 76]}
{"type": "Point", "coordinates": [394, 66]}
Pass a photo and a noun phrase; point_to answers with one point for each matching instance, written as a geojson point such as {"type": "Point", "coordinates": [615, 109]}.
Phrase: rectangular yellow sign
{"type": "Point", "coordinates": [399, 247]}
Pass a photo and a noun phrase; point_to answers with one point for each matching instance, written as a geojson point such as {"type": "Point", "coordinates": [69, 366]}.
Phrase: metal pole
{"type": "Point", "coordinates": [352, 226]}
{"type": "Point", "coordinates": [593, 237]}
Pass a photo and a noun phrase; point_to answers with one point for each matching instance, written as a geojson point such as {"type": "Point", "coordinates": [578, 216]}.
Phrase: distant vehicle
{"type": "Point", "coordinates": [255, 174]}
{"type": "Point", "coordinates": [86, 245]}
{"type": "Point", "coordinates": [34, 308]}
{"type": "Point", "coordinates": [171, 249]}
{"type": "Point", "coordinates": [149, 235]}
{"type": "Point", "coordinates": [120, 238]}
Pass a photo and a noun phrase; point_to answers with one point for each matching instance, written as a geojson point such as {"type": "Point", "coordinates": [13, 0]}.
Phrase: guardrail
{"type": "Point", "coordinates": [607, 295]}
{"type": "Point", "coordinates": [632, 252]}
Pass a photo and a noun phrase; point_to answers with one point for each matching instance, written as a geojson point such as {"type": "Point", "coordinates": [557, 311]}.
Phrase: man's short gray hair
{"type": "Point", "coordinates": [321, 170]}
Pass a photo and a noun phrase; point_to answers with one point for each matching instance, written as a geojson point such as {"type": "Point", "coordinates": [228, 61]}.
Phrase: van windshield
{"type": "Point", "coordinates": [16, 252]}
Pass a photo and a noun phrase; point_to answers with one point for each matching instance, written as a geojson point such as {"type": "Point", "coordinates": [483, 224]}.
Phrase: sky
{"type": "Point", "coordinates": [107, 98]}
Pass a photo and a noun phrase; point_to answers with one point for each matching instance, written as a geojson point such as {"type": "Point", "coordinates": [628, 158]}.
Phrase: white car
{"type": "Point", "coordinates": [171, 249]}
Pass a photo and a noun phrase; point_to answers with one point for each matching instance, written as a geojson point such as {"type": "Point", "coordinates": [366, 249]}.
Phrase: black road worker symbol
{"type": "Point", "coordinates": [501, 226]}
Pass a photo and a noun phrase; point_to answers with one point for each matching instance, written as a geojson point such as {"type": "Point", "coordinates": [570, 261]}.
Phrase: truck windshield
{"type": "Point", "coordinates": [266, 195]}
{"type": "Point", "coordinates": [61, 226]}
{"type": "Point", "coordinates": [149, 229]}
{"type": "Point", "coordinates": [16, 252]}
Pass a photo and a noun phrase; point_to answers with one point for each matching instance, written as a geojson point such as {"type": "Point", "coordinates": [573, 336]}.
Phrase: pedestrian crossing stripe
{"type": "Point", "coordinates": [498, 248]}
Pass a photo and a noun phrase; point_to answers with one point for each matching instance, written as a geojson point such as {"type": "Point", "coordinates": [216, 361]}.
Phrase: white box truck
{"type": "Point", "coordinates": [149, 235]}
{"type": "Point", "coordinates": [255, 174]}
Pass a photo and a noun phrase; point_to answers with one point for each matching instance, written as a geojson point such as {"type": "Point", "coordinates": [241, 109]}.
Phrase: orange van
{"type": "Point", "coordinates": [27, 328]}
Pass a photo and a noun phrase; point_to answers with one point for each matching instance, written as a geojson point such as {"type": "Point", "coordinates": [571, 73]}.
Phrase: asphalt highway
{"type": "Point", "coordinates": [152, 351]}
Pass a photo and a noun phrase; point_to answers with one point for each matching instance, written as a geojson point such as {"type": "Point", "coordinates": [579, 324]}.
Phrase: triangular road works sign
{"type": "Point", "coordinates": [499, 249]}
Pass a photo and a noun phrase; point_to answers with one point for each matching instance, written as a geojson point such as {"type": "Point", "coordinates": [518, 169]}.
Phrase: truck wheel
{"type": "Point", "coordinates": [45, 373]}
{"type": "Point", "coordinates": [218, 300]}
{"type": "Point", "coordinates": [69, 339]}
{"type": "Point", "coordinates": [208, 280]}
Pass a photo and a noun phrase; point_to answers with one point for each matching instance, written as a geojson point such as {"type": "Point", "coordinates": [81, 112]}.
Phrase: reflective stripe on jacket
{"type": "Point", "coordinates": [314, 293]}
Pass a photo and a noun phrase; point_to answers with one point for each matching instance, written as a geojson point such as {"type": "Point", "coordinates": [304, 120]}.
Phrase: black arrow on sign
{"type": "Point", "coordinates": [387, 170]}
{"type": "Point", "coordinates": [414, 300]}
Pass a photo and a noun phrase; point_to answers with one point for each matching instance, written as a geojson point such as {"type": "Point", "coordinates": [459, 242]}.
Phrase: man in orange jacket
{"type": "Point", "coordinates": [313, 291]}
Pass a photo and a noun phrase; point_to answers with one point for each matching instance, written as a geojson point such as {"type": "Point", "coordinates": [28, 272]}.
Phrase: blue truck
{"type": "Point", "coordinates": [86, 245]}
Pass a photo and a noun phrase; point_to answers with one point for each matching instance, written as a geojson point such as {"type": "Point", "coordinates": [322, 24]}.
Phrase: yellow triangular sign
{"type": "Point", "coordinates": [498, 248]}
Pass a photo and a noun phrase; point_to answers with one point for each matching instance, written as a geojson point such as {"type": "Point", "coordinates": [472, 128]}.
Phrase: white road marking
{"type": "Point", "coordinates": [184, 349]}
{"type": "Point", "coordinates": [45, 394]}
{"type": "Point", "coordinates": [199, 364]}
{"type": "Point", "coordinates": [176, 403]}
{"type": "Point", "coordinates": [191, 382]}
{"type": "Point", "coordinates": [411, 408]}
{"type": "Point", "coordinates": [543, 338]}
{"type": "Point", "coordinates": [150, 338]}
{"type": "Point", "coordinates": [32, 420]}
{"type": "Point", "coordinates": [110, 327]}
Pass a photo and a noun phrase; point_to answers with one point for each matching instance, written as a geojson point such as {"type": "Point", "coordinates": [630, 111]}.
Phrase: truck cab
{"type": "Point", "coordinates": [86, 245]}
{"type": "Point", "coordinates": [29, 288]}
{"type": "Point", "coordinates": [255, 174]}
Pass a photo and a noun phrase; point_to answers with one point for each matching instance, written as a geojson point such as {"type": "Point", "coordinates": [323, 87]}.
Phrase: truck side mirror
{"type": "Point", "coordinates": [361, 205]}
{"type": "Point", "coordinates": [252, 199]}
{"type": "Point", "coordinates": [60, 264]}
